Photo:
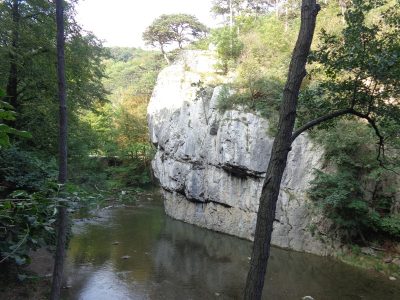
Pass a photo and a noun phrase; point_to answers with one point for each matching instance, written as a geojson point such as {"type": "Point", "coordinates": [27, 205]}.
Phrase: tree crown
{"type": "Point", "coordinates": [179, 28]}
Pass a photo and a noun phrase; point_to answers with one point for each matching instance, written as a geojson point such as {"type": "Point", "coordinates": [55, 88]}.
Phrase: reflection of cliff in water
{"type": "Point", "coordinates": [174, 260]}
{"type": "Point", "coordinates": [215, 263]}
{"type": "Point", "coordinates": [200, 263]}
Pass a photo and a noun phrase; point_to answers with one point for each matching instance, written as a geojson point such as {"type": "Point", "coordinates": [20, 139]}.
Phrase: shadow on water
{"type": "Point", "coordinates": [169, 259]}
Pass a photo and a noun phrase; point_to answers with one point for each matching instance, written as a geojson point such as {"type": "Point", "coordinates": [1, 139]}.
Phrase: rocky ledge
{"type": "Point", "coordinates": [211, 165]}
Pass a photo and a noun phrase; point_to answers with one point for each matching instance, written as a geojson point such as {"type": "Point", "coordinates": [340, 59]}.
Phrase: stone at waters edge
{"type": "Point", "coordinates": [368, 251]}
{"type": "Point", "coordinates": [388, 260]}
{"type": "Point", "coordinates": [396, 262]}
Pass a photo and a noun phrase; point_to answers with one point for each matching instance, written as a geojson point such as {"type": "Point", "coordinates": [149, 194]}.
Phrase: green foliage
{"type": "Point", "coordinates": [168, 29]}
{"type": "Point", "coordinates": [7, 114]}
{"type": "Point", "coordinates": [122, 125]}
{"type": "Point", "coordinates": [28, 74]}
{"type": "Point", "coordinates": [340, 197]}
{"type": "Point", "coordinates": [123, 153]}
{"type": "Point", "coordinates": [359, 68]}
{"type": "Point", "coordinates": [268, 47]}
{"type": "Point", "coordinates": [26, 223]}
{"type": "Point", "coordinates": [27, 44]}
{"type": "Point", "coordinates": [262, 67]}
{"type": "Point", "coordinates": [359, 194]}
{"type": "Point", "coordinates": [355, 66]}
{"type": "Point", "coordinates": [200, 44]}
{"type": "Point", "coordinates": [240, 7]}
{"type": "Point", "coordinates": [133, 174]}
{"type": "Point", "coordinates": [25, 170]}
{"type": "Point", "coordinates": [228, 45]}
{"type": "Point", "coordinates": [262, 96]}
{"type": "Point", "coordinates": [262, 60]}
{"type": "Point", "coordinates": [136, 75]}
{"type": "Point", "coordinates": [391, 225]}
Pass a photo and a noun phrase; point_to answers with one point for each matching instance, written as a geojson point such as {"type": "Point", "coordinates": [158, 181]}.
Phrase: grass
{"type": "Point", "coordinates": [356, 258]}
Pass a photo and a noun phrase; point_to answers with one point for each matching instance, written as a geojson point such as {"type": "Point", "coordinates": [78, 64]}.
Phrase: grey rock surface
{"type": "Point", "coordinates": [212, 165]}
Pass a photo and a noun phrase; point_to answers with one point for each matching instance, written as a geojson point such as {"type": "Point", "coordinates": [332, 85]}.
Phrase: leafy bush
{"type": "Point", "coordinates": [7, 113]}
{"type": "Point", "coordinates": [22, 169]}
{"type": "Point", "coordinates": [229, 46]}
{"type": "Point", "coordinates": [261, 65]}
{"type": "Point", "coordinates": [391, 225]}
{"type": "Point", "coordinates": [26, 223]}
{"type": "Point", "coordinates": [358, 195]}
{"type": "Point", "coordinates": [341, 199]}
{"type": "Point", "coordinates": [262, 96]}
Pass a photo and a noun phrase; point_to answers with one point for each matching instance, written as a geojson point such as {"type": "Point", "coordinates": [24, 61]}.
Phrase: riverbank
{"type": "Point", "coordinates": [386, 262]}
{"type": "Point", "coordinates": [30, 282]}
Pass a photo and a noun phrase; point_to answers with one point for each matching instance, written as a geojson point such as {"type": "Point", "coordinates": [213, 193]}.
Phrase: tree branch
{"type": "Point", "coordinates": [350, 111]}
{"type": "Point", "coordinates": [320, 120]}
{"type": "Point", "coordinates": [381, 142]}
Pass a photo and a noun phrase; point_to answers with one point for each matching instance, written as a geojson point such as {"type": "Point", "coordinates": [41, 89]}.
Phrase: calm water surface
{"type": "Point", "coordinates": [169, 259]}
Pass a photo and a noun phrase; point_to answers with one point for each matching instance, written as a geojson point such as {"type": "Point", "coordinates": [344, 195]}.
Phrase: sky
{"type": "Point", "coordinates": [121, 22]}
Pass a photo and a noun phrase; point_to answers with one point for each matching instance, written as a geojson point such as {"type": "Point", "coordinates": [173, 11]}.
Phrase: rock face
{"type": "Point", "coordinates": [211, 166]}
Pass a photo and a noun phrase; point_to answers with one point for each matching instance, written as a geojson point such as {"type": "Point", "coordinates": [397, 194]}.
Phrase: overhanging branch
{"type": "Point", "coordinates": [349, 111]}
{"type": "Point", "coordinates": [320, 120]}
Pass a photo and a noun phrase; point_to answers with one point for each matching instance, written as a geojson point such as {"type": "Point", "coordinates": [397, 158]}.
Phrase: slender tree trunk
{"type": "Point", "coordinates": [165, 55]}
{"type": "Point", "coordinates": [280, 150]}
{"type": "Point", "coordinates": [230, 14]}
{"type": "Point", "coordinates": [277, 8]}
{"type": "Point", "coordinates": [12, 84]}
{"type": "Point", "coordinates": [286, 17]}
{"type": "Point", "coordinates": [343, 8]}
{"type": "Point", "coordinates": [62, 217]}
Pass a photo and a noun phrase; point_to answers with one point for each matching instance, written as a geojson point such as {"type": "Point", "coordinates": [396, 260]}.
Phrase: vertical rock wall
{"type": "Point", "coordinates": [211, 166]}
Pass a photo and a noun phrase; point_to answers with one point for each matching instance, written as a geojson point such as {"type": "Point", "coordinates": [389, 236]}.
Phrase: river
{"type": "Point", "coordinates": [138, 252]}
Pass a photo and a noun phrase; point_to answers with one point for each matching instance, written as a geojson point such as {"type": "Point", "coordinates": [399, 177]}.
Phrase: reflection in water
{"type": "Point", "coordinates": [173, 260]}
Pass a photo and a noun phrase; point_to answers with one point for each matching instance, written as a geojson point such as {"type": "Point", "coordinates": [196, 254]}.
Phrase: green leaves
{"type": "Point", "coordinates": [35, 88]}
{"type": "Point", "coordinates": [7, 114]}
{"type": "Point", "coordinates": [360, 68]}
{"type": "Point", "coordinates": [358, 195]}
{"type": "Point", "coordinates": [179, 28]}
{"type": "Point", "coordinates": [229, 46]}
{"type": "Point", "coordinates": [27, 224]}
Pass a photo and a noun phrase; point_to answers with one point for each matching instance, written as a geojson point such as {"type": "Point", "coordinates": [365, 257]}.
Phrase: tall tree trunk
{"type": "Point", "coordinates": [12, 84]}
{"type": "Point", "coordinates": [277, 8]}
{"type": "Point", "coordinates": [343, 8]}
{"type": "Point", "coordinates": [62, 175]}
{"type": "Point", "coordinates": [287, 17]}
{"type": "Point", "coordinates": [165, 55]}
{"type": "Point", "coordinates": [280, 150]}
{"type": "Point", "coordinates": [230, 14]}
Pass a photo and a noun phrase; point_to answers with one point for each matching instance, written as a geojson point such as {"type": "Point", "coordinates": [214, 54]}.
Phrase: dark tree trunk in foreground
{"type": "Point", "coordinates": [280, 150]}
{"type": "Point", "coordinates": [62, 175]}
{"type": "Point", "coordinates": [12, 84]}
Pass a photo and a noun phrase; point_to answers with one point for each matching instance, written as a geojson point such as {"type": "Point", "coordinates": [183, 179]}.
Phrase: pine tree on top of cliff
{"type": "Point", "coordinates": [174, 28]}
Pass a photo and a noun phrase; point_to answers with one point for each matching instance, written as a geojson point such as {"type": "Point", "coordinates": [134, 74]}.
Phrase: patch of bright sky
{"type": "Point", "coordinates": [122, 22]}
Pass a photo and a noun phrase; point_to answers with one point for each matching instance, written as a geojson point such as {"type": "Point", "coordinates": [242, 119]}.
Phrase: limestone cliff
{"type": "Point", "coordinates": [211, 166]}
